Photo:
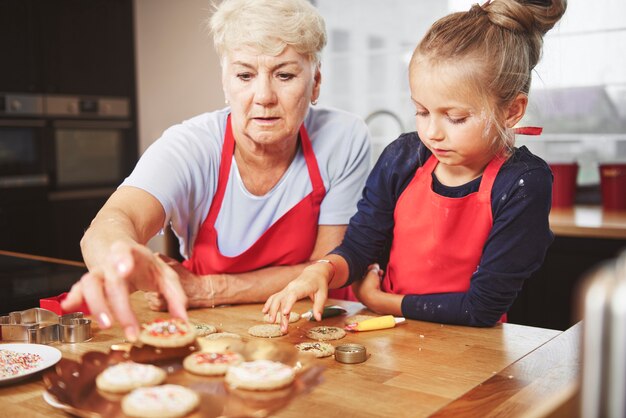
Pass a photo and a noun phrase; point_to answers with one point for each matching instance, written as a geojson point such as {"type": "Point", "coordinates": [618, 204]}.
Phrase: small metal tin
{"type": "Point", "coordinates": [350, 353]}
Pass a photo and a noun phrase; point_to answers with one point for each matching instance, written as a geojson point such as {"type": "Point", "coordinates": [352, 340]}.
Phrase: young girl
{"type": "Point", "coordinates": [458, 215]}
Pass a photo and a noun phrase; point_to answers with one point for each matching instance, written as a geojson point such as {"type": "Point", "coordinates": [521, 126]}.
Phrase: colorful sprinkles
{"type": "Point", "coordinates": [167, 328]}
{"type": "Point", "coordinates": [13, 363]}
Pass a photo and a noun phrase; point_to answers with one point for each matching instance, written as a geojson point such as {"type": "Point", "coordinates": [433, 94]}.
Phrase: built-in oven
{"type": "Point", "coordinates": [94, 149]}
{"type": "Point", "coordinates": [24, 173]}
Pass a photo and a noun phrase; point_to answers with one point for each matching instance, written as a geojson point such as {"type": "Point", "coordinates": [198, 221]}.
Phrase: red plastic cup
{"type": "Point", "coordinates": [613, 186]}
{"type": "Point", "coordinates": [564, 185]}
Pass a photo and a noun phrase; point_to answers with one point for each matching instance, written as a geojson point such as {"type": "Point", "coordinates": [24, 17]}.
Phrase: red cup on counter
{"type": "Point", "coordinates": [564, 184]}
{"type": "Point", "coordinates": [613, 186]}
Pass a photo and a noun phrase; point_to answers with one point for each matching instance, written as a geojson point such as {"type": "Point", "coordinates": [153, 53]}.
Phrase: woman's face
{"type": "Point", "coordinates": [269, 95]}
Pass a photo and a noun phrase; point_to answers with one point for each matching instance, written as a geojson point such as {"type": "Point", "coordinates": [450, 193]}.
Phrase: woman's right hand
{"type": "Point", "coordinates": [128, 267]}
{"type": "Point", "coordinates": [312, 282]}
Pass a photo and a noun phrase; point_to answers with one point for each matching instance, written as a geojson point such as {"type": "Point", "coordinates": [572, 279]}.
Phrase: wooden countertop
{"type": "Point", "coordinates": [588, 222]}
{"type": "Point", "coordinates": [416, 369]}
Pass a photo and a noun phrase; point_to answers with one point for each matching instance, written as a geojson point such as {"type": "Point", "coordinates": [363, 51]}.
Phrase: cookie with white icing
{"type": "Point", "coordinates": [211, 364]}
{"type": "Point", "coordinates": [325, 333]}
{"type": "Point", "coordinates": [318, 349]}
{"type": "Point", "coordinates": [165, 401]}
{"type": "Point", "coordinates": [126, 376]}
{"type": "Point", "coordinates": [260, 375]}
{"type": "Point", "coordinates": [171, 332]}
{"type": "Point", "coordinates": [293, 317]}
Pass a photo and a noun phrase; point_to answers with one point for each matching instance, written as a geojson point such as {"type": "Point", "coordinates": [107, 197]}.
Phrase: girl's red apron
{"type": "Point", "coordinates": [438, 241]}
{"type": "Point", "coordinates": [290, 240]}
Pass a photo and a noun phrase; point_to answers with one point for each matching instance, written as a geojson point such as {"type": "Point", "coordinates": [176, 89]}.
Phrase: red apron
{"type": "Point", "coordinates": [438, 241]}
{"type": "Point", "coordinates": [290, 240]}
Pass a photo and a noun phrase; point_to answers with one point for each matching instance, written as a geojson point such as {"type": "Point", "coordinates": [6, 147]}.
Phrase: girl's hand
{"type": "Point", "coordinates": [312, 282]}
{"type": "Point", "coordinates": [368, 290]}
{"type": "Point", "coordinates": [128, 267]}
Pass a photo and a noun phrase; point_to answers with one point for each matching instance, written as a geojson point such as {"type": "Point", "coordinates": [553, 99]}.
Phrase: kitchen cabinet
{"type": "Point", "coordinates": [67, 47]}
{"type": "Point", "coordinates": [24, 225]}
{"type": "Point", "coordinates": [69, 220]}
{"type": "Point", "coordinates": [549, 298]}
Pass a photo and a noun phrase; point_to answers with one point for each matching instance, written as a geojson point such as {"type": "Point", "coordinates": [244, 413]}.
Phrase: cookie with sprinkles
{"type": "Point", "coordinates": [325, 333]}
{"type": "Point", "coordinates": [318, 349]}
{"type": "Point", "coordinates": [128, 375]}
{"type": "Point", "coordinates": [165, 401]}
{"type": "Point", "coordinates": [266, 331]}
{"type": "Point", "coordinates": [211, 364]}
{"type": "Point", "coordinates": [171, 332]}
{"type": "Point", "coordinates": [293, 317]}
{"type": "Point", "coordinates": [260, 375]}
{"type": "Point", "coordinates": [204, 329]}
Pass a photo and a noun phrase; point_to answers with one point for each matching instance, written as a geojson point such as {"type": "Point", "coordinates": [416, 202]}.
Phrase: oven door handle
{"type": "Point", "coordinates": [10, 182]}
{"type": "Point", "coordinates": [92, 124]}
{"type": "Point", "coordinates": [22, 123]}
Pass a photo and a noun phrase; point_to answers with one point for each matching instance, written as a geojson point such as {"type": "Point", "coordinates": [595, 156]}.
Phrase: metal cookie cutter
{"type": "Point", "coordinates": [42, 326]}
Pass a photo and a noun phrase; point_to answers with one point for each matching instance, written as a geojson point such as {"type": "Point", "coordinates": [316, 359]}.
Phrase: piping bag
{"type": "Point", "coordinates": [381, 322]}
{"type": "Point", "coordinates": [329, 310]}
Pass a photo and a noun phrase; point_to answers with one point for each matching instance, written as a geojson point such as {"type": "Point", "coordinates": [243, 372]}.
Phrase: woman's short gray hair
{"type": "Point", "coordinates": [269, 26]}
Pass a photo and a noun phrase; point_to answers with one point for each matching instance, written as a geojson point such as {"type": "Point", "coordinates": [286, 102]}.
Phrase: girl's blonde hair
{"type": "Point", "coordinates": [497, 45]}
{"type": "Point", "coordinates": [268, 26]}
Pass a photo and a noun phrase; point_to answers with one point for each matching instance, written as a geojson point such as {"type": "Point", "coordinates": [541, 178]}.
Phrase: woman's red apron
{"type": "Point", "coordinates": [290, 240]}
{"type": "Point", "coordinates": [438, 241]}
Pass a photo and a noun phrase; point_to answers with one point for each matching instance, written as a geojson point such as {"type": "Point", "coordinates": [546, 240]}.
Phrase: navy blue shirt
{"type": "Point", "coordinates": [515, 248]}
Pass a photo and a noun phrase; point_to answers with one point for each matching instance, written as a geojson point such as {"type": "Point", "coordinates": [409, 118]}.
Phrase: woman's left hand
{"type": "Point", "coordinates": [199, 289]}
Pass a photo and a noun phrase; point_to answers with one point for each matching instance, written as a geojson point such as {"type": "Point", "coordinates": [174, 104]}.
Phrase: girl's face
{"type": "Point", "coordinates": [452, 124]}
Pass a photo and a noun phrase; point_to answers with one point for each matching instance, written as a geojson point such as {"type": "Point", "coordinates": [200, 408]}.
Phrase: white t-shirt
{"type": "Point", "coordinates": [181, 168]}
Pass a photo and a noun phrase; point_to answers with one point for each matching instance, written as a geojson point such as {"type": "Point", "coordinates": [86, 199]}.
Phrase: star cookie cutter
{"type": "Point", "coordinates": [42, 326]}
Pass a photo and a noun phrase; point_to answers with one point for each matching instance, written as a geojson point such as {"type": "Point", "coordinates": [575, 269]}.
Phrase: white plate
{"type": "Point", "coordinates": [49, 356]}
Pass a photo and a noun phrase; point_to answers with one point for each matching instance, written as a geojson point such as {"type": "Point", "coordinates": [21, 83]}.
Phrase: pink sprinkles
{"type": "Point", "coordinates": [13, 363]}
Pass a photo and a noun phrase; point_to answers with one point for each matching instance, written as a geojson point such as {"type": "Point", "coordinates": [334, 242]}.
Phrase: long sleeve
{"type": "Point", "coordinates": [515, 248]}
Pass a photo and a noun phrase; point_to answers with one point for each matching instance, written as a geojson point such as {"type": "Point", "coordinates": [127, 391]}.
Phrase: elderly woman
{"type": "Point", "coordinates": [253, 191]}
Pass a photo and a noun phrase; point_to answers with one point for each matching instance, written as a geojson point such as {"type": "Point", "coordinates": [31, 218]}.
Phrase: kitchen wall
{"type": "Point", "coordinates": [178, 73]}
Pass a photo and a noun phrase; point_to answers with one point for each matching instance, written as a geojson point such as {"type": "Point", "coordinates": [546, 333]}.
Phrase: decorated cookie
{"type": "Point", "coordinates": [293, 317]}
{"type": "Point", "coordinates": [168, 333]}
{"type": "Point", "coordinates": [266, 331]}
{"type": "Point", "coordinates": [326, 333]}
{"type": "Point", "coordinates": [204, 329]}
{"type": "Point", "coordinates": [166, 401]}
{"type": "Point", "coordinates": [260, 375]}
{"type": "Point", "coordinates": [355, 319]}
{"type": "Point", "coordinates": [211, 364]}
{"type": "Point", "coordinates": [219, 335]}
{"type": "Point", "coordinates": [126, 376]}
{"type": "Point", "coordinates": [319, 349]}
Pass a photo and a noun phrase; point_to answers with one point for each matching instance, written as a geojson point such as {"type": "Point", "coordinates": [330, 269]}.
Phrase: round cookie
{"type": "Point", "coordinates": [219, 335]}
{"type": "Point", "coordinates": [318, 349]}
{"type": "Point", "coordinates": [166, 401]}
{"type": "Point", "coordinates": [168, 333]}
{"type": "Point", "coordinates": [211, 364]}
{"type": "Point", "coordinates": [293, 317]}
{"type": "Point", "coordinates": [203, 329]}
{"type": "Point", "coordinates": [266, 331]}
{"type": "Point", "coordinates": [126, 376]}
{"type": "Point", "coordinates": [355, 319]}
{"type": "Point", "coordinates": [260, 375]}
{"type": "Point", "coordinates": [325, 333]}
